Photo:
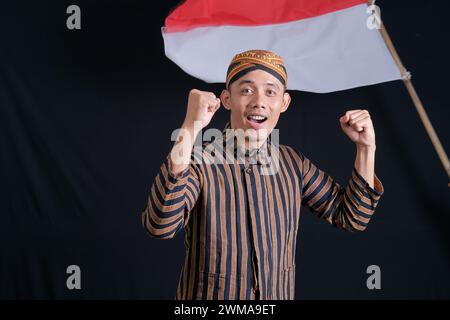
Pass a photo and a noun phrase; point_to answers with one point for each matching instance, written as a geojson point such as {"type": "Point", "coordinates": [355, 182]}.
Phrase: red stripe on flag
{"type": "Point", "coordinates": [203, 13]}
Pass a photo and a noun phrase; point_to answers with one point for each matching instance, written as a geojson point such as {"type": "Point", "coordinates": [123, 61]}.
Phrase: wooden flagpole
{"type": "Point", "coordinates": [415, 98]}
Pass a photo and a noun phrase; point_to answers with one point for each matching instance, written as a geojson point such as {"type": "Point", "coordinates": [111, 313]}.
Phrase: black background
{"type": "Point", "coordinates": [85, 121]}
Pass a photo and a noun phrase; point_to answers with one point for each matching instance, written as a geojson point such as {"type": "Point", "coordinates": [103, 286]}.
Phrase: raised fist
{"type": "Point", "coordinates": [202, 106]}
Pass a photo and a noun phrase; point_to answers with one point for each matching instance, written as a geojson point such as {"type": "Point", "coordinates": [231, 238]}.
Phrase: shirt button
{"type": "Point", "coordinates": [248, 170]}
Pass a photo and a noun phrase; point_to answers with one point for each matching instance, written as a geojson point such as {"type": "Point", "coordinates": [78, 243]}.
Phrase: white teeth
{"type": "Point", "coordinates": [257, 117]}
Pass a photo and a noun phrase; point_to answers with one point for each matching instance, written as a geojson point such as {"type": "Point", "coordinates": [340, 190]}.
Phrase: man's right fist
{"type": "Point", "coordinates": [201, 107]}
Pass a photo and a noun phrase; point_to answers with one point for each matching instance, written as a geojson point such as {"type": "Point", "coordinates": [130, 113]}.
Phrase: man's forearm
{"type": "Point", "coordinates": [201, 108]}
{"type": "Point", "coordinates": [365, 163]}
{"type": "Point", "coordinates": [180, 154]}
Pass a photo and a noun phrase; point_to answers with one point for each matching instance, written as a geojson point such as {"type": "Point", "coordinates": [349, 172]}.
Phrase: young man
{"type": "Point", "coordinates": [240, 218]}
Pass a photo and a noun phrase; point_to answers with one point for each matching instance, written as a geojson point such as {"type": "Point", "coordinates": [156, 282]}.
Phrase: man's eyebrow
{"type": "Point", "coordinates": [252, 82]}
{"type": "Point", "coordinates": [246, 81]}
{"type": "Point", "coordinates": [273, 84]}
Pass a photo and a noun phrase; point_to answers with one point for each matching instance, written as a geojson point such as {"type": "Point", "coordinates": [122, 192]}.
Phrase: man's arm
{"type": "Point", "coordinates": [358, 126]}
{"type": "Point", "coordinates": [365, 163]}
{"type": "Point", "coordinates": [177, 186]}
{"type": "Point", "coordinates": [352, 207]}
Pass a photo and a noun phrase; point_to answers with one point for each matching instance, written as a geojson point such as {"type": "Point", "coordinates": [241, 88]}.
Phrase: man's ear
{"type": "Point", "coordinates": [286, 101]}
{"type": "Point", "coordinates": [225, 98]}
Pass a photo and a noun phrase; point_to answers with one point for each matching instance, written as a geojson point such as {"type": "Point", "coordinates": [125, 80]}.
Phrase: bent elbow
{"type": "Point", "coordinates": [158, 230]}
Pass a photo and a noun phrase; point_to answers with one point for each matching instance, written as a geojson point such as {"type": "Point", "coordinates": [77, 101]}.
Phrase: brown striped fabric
{"type": "Point", "coordinates": [241, 223]}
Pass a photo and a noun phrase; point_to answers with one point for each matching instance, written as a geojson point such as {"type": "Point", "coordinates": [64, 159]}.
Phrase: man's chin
{"type": "Point", "coordinates": [257, 132]}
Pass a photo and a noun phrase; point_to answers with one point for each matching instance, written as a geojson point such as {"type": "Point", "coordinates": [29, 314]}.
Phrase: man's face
{"type": "Point", "coordinates": [256, 101]}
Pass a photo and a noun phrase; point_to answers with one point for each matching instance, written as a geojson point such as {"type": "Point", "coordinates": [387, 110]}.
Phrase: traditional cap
{"type": "Point", "coordinates": [250, 60]}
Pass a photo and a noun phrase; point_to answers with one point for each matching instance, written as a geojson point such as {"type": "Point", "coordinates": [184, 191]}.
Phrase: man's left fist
{"type": "Point", "coordinates": [358, 126]}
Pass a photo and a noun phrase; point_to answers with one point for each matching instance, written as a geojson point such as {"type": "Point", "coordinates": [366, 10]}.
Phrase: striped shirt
{"type": "Point", "coordinates": [241, 223]}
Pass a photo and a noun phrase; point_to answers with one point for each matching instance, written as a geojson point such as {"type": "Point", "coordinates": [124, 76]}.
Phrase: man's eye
{"type": "Point", "coordinates": [271, 92]}
{"type": "Point", "coordinates": [246, 91]}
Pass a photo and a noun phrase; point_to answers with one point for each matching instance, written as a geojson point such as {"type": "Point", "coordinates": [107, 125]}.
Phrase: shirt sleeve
{"type": "Point", "coordinates": [171, 200]}
{"type": "Point", "coordinates": [349, 208]}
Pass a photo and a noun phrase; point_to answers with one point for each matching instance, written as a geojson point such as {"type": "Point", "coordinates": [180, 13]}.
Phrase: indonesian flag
{"type": "Point", "coordinates": [326, 44]}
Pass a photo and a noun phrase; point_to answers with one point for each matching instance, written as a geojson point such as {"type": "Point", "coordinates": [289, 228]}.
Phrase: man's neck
{"type": "Point", "coordinates": [250, 145]}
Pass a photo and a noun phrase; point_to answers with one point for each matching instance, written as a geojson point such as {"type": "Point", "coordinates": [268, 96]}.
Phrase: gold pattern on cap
{"type": "Point", "coordinates": [251, 58]}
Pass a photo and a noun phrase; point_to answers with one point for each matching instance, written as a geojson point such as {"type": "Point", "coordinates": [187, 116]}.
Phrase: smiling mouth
{"type": "Point", "coordinates": [256, 118]}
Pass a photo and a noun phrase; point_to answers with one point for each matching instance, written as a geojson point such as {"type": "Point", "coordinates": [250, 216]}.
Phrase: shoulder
{"type": "Point", "coordinates": [293, 155]}
{"type": "Point", "coordinates": [291, 152]}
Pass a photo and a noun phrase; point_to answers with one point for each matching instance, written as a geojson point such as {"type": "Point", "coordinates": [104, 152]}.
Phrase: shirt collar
{"type": "Point", "coordinates": [259, 155]}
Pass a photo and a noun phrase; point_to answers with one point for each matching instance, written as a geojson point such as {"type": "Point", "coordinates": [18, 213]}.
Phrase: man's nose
{"type": "Point", "coordinates": [258, 101]}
